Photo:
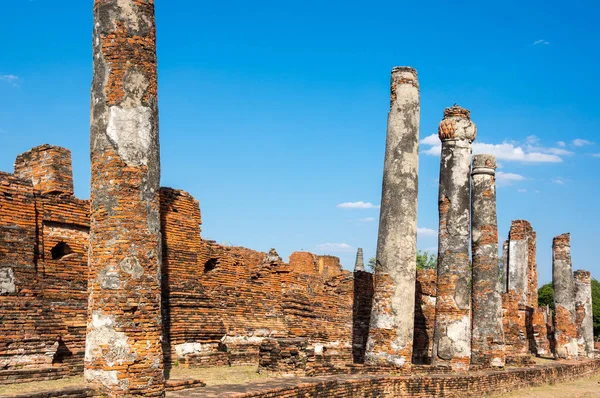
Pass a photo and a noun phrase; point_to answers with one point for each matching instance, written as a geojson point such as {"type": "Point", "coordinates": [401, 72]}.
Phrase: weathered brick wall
{"type": "Point", "coordinates": [43, 263]}
{"type": "Point", "coordinates": [424, 316]}
{"type": "Point", "coordinates": [48, 168]}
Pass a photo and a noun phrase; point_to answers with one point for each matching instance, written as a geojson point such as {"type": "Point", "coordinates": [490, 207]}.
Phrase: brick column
{"type": "Point", "coordinates": [583, 313]}
{"type": "Point", "coordinates": [123, 347]}
{"type": "Point", "coordinates": [359, 265]}
{"type": "Point", "coordinates": [565, 331]}
{"type": "Point", "coordinates": [518, 259]}
{"type": "Point", "coordinates": [487, 341]}
{"type": "Point", "coordinates": [452, 336]}
{"type": "Point", "coordinates": [392, 319]}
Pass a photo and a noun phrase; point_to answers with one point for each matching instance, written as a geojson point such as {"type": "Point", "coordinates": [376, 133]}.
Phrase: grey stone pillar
{"type": "Point", "coordinates": [452, 334]}
{"type": "Point", "coordinates": [518, 259]}
{"type": "Point", "coordinates": [123, 353]}
{"type": "Point", "coordinates": [584, 313]}
{"type": "Point", "coordinates": [359, 265]}
{"type": "Point", "coordinates": [505, 267]}
{"type": "Point", "coordinates": [487, 341]}
{"type": "Point", "coordinates": [390, 339]}
{"type": "Point", "coordinates": [565, 331]}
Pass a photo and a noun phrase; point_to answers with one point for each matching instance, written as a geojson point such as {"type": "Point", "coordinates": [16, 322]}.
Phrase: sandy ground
{"type": "Point", "coordinates": [578, 389]}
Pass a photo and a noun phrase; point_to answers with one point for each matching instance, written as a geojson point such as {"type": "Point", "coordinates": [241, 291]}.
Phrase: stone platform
{"type": "Point", "coordinates": [473, 384]}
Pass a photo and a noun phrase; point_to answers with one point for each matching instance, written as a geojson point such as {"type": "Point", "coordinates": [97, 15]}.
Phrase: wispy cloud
{"type": "Point", "coordinates": [334, 247]}
{"type": "Point", "coordinates": [357, 205]}
{"type": "Point", "coordinates": [596, 155]}
{"type": "Point", "coordinates": [559, 181]}
{"type": "Point", "coordinates": [581, 142]}
{"type": "Point", "coordinates": [522, 190]}
{"type": "Point", "coordinates": [561, 144]}
{"type": "Point", "coordinates": [367, 219]}
{"type": "Point", "coordinates": [503, 179]}
{"type": "Point", "coordinates": [426, 232]}
{"type": "Point", "coordinates": [10, 79]}
{"type": "Point", "coordinates": [510, 152]}
{"type": "Point", "coordinates": [538, 42]}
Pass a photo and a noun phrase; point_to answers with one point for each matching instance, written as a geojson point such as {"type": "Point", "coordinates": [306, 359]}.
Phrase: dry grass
{"type": "Point", "coordinates": [51, 385]}
{"type": "Point", "coordinates": [584, 388]}
{"type": "Point", "coordinates": [218, 375]}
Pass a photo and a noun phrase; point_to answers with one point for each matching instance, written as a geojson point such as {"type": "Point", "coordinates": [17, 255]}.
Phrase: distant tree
{"type": "Point", "coordinates": [371, 264]}
{"type": "Point", "coordinates": [426, 260]}
{"type": "Point", "coordinates": [546, 296]}
{"type": "Point", "coordinates": [596, 306]}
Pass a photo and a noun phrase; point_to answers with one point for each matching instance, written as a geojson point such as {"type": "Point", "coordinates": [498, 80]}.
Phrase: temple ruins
{"type": "Point", "coordinates": [123, 288]}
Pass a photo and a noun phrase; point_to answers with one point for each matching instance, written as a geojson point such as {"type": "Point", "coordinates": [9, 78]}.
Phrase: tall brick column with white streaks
{"type": "Point", "coordinates": [584, 313]}
{"type": "Point", "coordinates": [390, 339]}
{"type": "Point", "coordinates": [565, 331]}
{"type": "Point", "coordinates": [452, 334]}
{"type": "Point", "coordinates": [123, 355]}
{"type": "Point", "coordinates": [487, 339]}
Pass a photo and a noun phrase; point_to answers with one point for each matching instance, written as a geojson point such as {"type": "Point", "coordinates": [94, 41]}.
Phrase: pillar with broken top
{"type": "Point", "coordinates": [565, 331]}
{"type": "Point", "coordinates": [452, 334]}
{"type": "Point", "coordinates": [584, 313]}
{"type": "Point", "coordinates": [487, 341]}
{"type": "Point", "coordinates": [123, 355]}
{"type": "Point", "coordinates": [390, 339]}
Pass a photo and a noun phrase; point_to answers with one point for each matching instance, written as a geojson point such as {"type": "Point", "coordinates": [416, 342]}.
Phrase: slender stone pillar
{"type": "Point", "coordinates": [584, 313]}
{"type": "Point", "coordinates": [518, 259]}
{"type": "Point", "coordinates": [359, 265]}
{"type": "Point", "coordinates": [565, 331]}
{"type": "Point", "coordinates": [390, 339]}
{"type": "Point", "coordinates": [452, 335]}
{"type": "Point", "coordinates": [505, 267]}
{"type": "Point", "coordinates": [123, 355]}
{"type": "Point", "coordinates": [487, 342]}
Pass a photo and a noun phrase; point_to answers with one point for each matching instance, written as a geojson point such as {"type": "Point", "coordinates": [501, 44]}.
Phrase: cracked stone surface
{"type": "Point", "coordinates": [565, 330]}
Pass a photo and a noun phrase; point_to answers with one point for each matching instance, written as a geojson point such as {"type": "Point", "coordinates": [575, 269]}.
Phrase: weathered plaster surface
{"type": "Point", "coordinates": [392, 318]}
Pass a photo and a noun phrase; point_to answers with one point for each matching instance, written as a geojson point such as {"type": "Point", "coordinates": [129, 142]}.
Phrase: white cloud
{"type": "Point", "coordinates": [506, 151]}
{"type": "Point", "coordinates": [11, 79]}
{"type": "Point", "coordinates": [334, 247]}
{"type": "Point", "coordinates": [503, 178]}
{"type": "Point", "coordinates": [559, 181]}
{"type": "Point", "coordinates": [357, 205]}
{"type": "Point", "coordinates": [561, 144]}
{"type": "Point", "coordinates": [426, 232]}
{"type": "Point", "coordinates": [596, 155]}
{"type": "Point", "coordinates": [522, 190]}
{"type": "Point", "coordinates": [432, 140]}
{"type": "Point", "coordinates": [532, 139]}
{"type": "Point", "coordinates": [581, 142]}
{"type": "Point", "coordinates": [544, 42]}
{"type": "Point", "coordinates": [367, 219]}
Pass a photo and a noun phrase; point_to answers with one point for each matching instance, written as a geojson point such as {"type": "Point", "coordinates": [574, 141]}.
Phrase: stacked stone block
{"type": "Point", "coordinates": [452, 338]}
{"type": "Point", "coordinates": [392, 318]}
{"type": "Point", "coordinates": [487, 334]}
{"type": "Point", "coordinates": [565, 329]}
{"type": "Point", "coordinates": [124, 353]}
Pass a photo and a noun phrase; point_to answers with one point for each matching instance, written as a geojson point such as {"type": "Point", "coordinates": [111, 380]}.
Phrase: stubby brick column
{"type": "Point", "coordinates": [359, 265]}
{"type": "Point", "coordinates": [390, 339]}
{"type": "Point", "coordinates": [584, 315]}
{"type": "Point", "coordinates": [123, 355]}
{"type": "Point", "coordinates": [452, 335]}
{"type": "Point", "coordinates": [487, 341]}
{"type": "Point", "coordinates": [565, 331]}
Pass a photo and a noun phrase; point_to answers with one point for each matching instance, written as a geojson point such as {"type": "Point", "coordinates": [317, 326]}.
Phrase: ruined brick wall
{"type": "Point", "coordinates": [48, 168]}
{"type": "Point", "coordinates": [361, 313]}
{"type": "Point", "coordinates": [43, 270]}
{"type": "Point", "coordinates": [424, 316]}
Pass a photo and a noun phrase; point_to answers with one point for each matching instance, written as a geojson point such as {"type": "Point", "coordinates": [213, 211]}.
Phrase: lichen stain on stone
{"type": "Point", "coordinates": [104, 341]}
{"type": "Point", "coordinates": [131, 265]}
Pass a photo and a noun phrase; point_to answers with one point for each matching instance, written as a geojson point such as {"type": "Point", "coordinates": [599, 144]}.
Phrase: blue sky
{"type": "Point", "coordinates": [273, 113]}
